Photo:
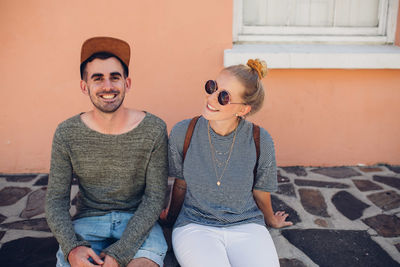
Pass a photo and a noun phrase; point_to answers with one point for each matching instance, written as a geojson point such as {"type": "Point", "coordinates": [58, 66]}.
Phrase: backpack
{"type": "Point", "coordinates": [189, 133]}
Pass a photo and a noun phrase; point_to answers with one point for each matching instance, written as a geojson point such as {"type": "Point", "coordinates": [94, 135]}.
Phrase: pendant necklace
{"type": "Point", "coordinates": [214, 151]}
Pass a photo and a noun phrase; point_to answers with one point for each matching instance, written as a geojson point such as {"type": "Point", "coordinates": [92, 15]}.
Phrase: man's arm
{"type": "Point", "coordinates": [149, 209]}
{"type": "Point", "coordinates": [58, 197]}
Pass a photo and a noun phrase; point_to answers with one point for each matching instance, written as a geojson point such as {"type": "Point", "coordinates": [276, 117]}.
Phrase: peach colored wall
{"type": "Point", "coordinates": [333, 117]}
{"type": "Point", "coordinates": [316, 117]}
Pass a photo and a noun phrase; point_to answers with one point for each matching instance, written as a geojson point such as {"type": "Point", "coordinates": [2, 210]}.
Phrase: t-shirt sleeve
{"type": "Point", "coordinates": [266, 178]}
{"type": "Point", "coordinates": [175, 149]}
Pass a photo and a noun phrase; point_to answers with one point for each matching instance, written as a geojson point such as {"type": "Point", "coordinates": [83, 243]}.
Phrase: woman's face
{"type": "Point", "coordinates": [213, 110]}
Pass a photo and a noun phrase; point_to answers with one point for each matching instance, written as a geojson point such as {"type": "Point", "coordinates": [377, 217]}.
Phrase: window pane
{"type": "Point", "coordinates": [317, 13]}
{"type": "Point", "coordinates": [250, 14]}
{"type": "Point", "coordinates": [357, 13]}
{"type": "Point", "coordinates": [312, 13]}
{"type": "Point", "coordinates": [278, 12]}
{"type": "Point", "coordinates": [265, 12]}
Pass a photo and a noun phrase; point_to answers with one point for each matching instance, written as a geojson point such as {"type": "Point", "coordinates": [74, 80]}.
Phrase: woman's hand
{"type": "Point", "coordinates": [164, 214]}
{"type": "Point", "coordinates": [169, 215]}
{"type": "Point", "coordinates": [278, 220]}
{"type": "Point", "coordinates": [163, 220]}
{"type": "Point", "coordinates": [273, 219]}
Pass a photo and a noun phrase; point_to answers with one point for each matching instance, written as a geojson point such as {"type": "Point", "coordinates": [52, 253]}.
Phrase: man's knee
{"type": "Point", "coordinates": [142, 262]}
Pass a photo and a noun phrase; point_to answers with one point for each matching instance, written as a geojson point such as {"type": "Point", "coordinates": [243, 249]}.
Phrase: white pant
{"type": "Point", "coordinates": [237, 246]}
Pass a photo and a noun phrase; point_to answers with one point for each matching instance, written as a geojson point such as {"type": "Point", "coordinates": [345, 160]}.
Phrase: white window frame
{"type": "Point", "coordinates": [301, 51]}
{"type": "Point", "coordinates": [383, 34]}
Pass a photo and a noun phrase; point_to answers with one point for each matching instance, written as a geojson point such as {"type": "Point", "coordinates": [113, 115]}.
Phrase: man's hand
{"type": "Point", "coordinates": [79, 257]}
{"type": "Point", "coordinates": [109, 261]}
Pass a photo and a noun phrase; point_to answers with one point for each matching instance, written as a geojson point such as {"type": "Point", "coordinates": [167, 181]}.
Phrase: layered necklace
{"type": "Point", "coordinates": [214, 153]}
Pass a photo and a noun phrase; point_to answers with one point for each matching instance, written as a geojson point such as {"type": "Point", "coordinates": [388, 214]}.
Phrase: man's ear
{"type": "Point", "coordinates": [128, 84]}
{"type": "Point", "coordinates": [84, 87]}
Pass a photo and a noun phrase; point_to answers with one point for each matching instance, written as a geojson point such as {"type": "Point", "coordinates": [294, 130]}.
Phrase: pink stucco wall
{"type": "Point", "coordinates": [316, 117]}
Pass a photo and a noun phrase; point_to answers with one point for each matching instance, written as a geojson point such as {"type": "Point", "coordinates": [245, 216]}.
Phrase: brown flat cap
{"type": "Point", "coordinates": [111, 45]}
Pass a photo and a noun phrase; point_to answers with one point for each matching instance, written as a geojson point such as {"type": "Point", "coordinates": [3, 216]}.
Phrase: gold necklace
{"type": "Point", "coordinates": [213, 151]}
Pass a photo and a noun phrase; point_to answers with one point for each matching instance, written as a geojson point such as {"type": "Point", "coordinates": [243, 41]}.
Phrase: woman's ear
{"type": "Point", "coordinates": [245, 110]}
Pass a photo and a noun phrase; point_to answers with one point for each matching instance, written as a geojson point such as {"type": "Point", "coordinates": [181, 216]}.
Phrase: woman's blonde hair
{"type": "Point", "coordinates": [250, 75]}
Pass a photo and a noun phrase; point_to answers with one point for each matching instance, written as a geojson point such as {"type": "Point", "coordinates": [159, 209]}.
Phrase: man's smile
{"type": "Point", "coordinates": [108, 96]}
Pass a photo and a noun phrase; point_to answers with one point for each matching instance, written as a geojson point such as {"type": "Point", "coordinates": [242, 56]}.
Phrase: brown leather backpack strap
{"type": "Point", "coordinates": [188, 136]}
{"type": "Point", "coordinates": [256, 137]}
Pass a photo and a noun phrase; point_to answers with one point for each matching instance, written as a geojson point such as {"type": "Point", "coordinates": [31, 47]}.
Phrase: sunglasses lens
{"type": "Point", "coordinates": [223, 97]}
{"type": "Point", "coordinates": [210, 86]}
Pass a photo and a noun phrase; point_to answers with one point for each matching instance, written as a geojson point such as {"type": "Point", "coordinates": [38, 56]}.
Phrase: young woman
{"type": "Point", "coordinates": [219, 204]}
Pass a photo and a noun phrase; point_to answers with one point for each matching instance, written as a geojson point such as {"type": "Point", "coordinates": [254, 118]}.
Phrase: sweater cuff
{"type": "Point", "coordinates": [122, 254]}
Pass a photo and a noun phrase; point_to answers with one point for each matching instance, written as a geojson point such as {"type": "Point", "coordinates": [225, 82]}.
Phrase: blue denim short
{"type": "Point", "coordinates": [99, 230]}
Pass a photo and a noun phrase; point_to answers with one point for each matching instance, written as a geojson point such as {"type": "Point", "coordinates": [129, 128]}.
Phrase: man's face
{"type": "Point", "coordinates": [105, 84]}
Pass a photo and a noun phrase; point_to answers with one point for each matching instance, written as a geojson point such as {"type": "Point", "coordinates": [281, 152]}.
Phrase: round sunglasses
{"type": "Point", "coordinates": [224, 98]}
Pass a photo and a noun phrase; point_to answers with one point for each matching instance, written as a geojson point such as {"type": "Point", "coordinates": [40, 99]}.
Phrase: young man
{"type": "Point", "coordinates": [119, 156]}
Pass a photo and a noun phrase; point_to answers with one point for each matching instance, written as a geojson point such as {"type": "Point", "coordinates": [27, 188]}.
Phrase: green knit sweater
{"type": "Point", "coordinates": [126, 172]}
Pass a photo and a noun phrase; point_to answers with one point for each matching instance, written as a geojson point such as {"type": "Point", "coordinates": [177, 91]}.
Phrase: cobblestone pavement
{"type": "Point", "coordinates": [343, 216]}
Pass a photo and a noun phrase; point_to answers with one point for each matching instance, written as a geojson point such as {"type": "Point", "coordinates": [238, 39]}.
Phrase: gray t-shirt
{"type": "Point", "coordinates": [232, 202]}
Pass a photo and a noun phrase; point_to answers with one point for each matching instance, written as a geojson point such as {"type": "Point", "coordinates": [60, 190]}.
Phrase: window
{"type": "Point", "coordinates": [315, 34]}
{"type": "Point", "coordinates": [315, 21]}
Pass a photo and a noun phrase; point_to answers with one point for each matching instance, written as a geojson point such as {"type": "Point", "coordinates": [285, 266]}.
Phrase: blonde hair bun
{"type": "Point", "coordinates": [260, 66]}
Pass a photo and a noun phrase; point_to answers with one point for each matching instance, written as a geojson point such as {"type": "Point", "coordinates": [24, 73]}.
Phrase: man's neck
{"type": "Point", "coordinates": [118, 122]}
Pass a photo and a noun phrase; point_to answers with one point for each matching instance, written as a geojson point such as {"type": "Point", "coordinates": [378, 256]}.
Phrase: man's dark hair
{"type": "Point", "coordinates": [101, 55]}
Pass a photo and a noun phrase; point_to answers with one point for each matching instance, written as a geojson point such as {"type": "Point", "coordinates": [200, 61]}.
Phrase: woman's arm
{"type": "Point", "coordinates": [275, 220]}
{"type": "Point", "coordinates": [169, 215]}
